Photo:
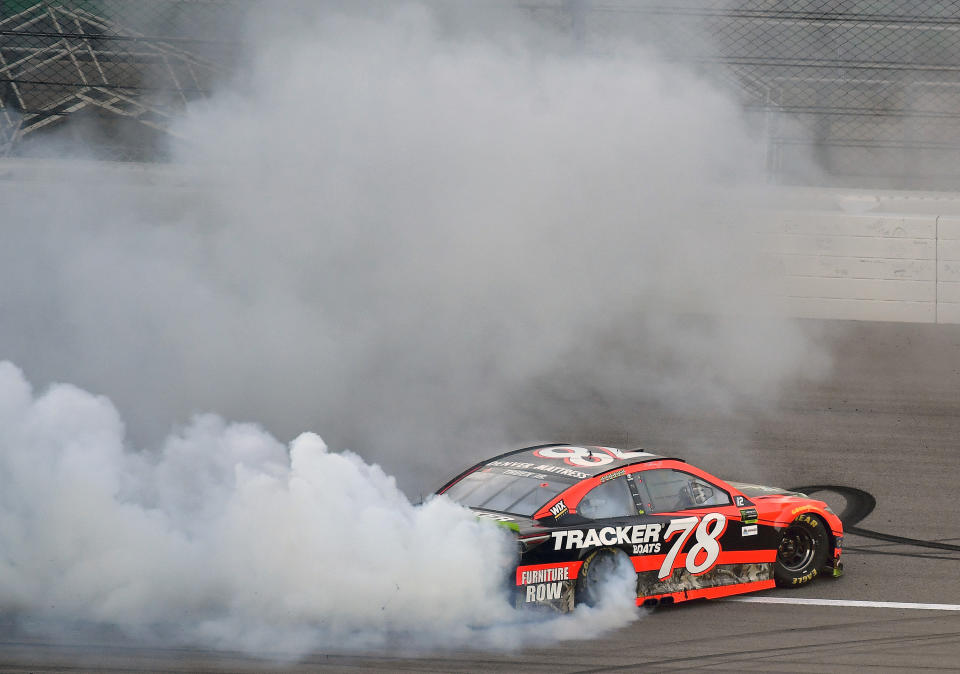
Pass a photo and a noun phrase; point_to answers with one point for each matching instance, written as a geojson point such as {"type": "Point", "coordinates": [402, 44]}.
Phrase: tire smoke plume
{"type": "Point", "coordinates": [410, 227]}
{"type": "Point", "coordinates": [223, 538]}
{"type": "Point", "coordinates": [397, 224]}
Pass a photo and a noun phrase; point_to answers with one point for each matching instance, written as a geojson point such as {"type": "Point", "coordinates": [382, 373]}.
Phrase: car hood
{"type": "Point", "coordinates": [756, 490]}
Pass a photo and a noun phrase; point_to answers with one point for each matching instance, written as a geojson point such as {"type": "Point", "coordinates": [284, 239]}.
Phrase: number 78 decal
{"type": "Point", "coordinates": [706, 546]}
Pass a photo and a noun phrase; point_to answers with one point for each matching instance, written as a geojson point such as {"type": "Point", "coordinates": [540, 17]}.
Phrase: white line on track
{"type": "Point", "coordinates": [847, 602]}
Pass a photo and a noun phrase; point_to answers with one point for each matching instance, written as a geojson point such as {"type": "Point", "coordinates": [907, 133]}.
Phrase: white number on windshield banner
{"type": "Point", "coordinates": [707, 547]}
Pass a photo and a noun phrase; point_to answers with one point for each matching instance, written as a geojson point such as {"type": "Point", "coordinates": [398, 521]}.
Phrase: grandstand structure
{"type": "Point", "coordinates": [845, 92]}
{"type": "Point", "coordinates": [70, 72]}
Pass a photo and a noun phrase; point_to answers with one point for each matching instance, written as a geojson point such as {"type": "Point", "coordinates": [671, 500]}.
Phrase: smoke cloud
{"type": "Point", "coordinates": [401, 225]}
{"type": "Point", "coordinates": [226, 539]}
{"type": "Point", "coordinates": [421, 230]}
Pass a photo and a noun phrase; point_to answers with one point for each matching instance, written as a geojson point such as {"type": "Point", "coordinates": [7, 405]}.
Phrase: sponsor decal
{"type": "Point", "coordinates": [632, 485]}
{"type": "Point", "coordinates": [749, 516]}
{"type": "Point", "coordinates": [801, 509]}
{"type": "Point", "coordinates": [531, 575]}
{"type": "Point", "coordinates": [541, 468]}
{"type": "Point", "coordinates": [524, 473]}
{"type": "Point", "coordinates": [629, 534]}
{"type": "Point", "coordinates": [511, 464]}
{"type": "Point", "coordinates": [544, 575]}
{"type": "Point", "coordinates": [566, 472]}
{"type": "Point", "coordinates": [588, 457]}
{"type": "Point", "coordinates": [493, 516]}
{"type": "Point", "coordinates": [646, 539]}
{"type": "Point", "coordinates": [502, 520]}
{"type": "Point", "coordinates": [543, 592]}
{"type": "Point", "coordinates": [646, 549]}
{"type": "Point", "coordinates": [559, 509]}
{"type": "Point", "coordinates": [613, 476]}
{"type": "Point", "coordinates": [749, 531]}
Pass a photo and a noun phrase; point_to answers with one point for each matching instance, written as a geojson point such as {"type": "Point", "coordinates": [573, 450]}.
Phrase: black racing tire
{"type": "Point", "coordinates": [597, 568]}
{"type": "Point", "coordinates": [801, 552]}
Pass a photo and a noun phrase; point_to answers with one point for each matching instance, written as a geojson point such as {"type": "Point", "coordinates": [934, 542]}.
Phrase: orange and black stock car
{"type": "Point", "coordinates": [688, 534]}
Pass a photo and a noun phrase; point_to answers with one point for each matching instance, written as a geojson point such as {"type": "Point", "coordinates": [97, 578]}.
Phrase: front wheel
{"type": "Point", "coordinates": [802, 551]}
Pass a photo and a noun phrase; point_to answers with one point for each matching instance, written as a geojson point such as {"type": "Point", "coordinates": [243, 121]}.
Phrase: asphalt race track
{"type": "Point", "coordinates": [886, 422]}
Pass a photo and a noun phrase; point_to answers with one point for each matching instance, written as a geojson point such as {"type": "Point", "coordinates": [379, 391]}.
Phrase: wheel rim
{"type": "Point", "coordinates": [797, 548]}
{"type": "Point", "coordinates": [601, 568]}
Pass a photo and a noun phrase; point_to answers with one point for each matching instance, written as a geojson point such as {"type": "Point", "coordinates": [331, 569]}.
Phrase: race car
{"type": "Point", "coordinates": [579, 511]}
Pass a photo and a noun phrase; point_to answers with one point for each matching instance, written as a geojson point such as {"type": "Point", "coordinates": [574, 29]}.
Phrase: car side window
{"type": "Point", "coordinates": [608, 499]}
{"type": "Point", "coordinates": [667, 490]}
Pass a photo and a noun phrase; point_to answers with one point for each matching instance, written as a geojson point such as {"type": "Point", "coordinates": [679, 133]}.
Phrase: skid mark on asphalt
{"type": "Point", "coordinates": [851, 549]}
{"type": "Point", "coordinates": [873, 546]}
{"type": "Point", "coordinates": [900, 540]}
{"type": "Point", "coordinates": [854, 603]}
{"type": "Point", "coordinates": [859, 504]}
{"type": "Point", "coordinates": [884, 549]}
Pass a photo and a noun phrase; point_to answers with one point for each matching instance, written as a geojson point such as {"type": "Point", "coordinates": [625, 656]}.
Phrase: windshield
{"type": "Point", "coordinates": [518, 492]}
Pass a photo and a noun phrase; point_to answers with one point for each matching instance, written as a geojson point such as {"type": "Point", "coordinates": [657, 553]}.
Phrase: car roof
{"type": "Point", "coordinates": [589, 459]}
{"type": "Point", "coordinates": [559, 458]}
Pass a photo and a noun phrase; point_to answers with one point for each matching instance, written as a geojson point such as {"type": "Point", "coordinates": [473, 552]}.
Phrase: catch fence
{"type": "Point", "coordinates": [846, 92]}
{"type": "Point", "coordinates": [108, 75]}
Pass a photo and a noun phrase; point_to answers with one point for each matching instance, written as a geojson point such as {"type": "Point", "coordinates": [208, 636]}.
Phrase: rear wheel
{"type": "Point", "coordinates": [597, 569]}
{"type": "Point", "coordinates": [802, 551]}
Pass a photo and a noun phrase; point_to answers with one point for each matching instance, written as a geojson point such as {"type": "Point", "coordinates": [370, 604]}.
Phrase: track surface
{"type": "Point", "coordinates": [887, 421]}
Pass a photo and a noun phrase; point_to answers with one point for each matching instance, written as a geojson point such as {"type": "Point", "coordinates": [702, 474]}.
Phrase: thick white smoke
{"type": "Point", "coordinates": [412, 229]}
{"type": "Point", "coordinates": [420, 231]}
{"type": "Point", "coordinates": [225, 539]}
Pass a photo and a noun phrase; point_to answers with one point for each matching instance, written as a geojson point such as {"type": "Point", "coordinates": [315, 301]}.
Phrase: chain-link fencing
{"type": "Point", "coordinates": [108, 75]}
{"type": "Point", "coordinates": [845, 92]}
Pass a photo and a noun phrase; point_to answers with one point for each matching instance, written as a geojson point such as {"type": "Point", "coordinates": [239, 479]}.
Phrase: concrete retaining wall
{"type": "Point", "coordinates": [844, 254]}
{"type": "Point", "coordinates": [897, 261]}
